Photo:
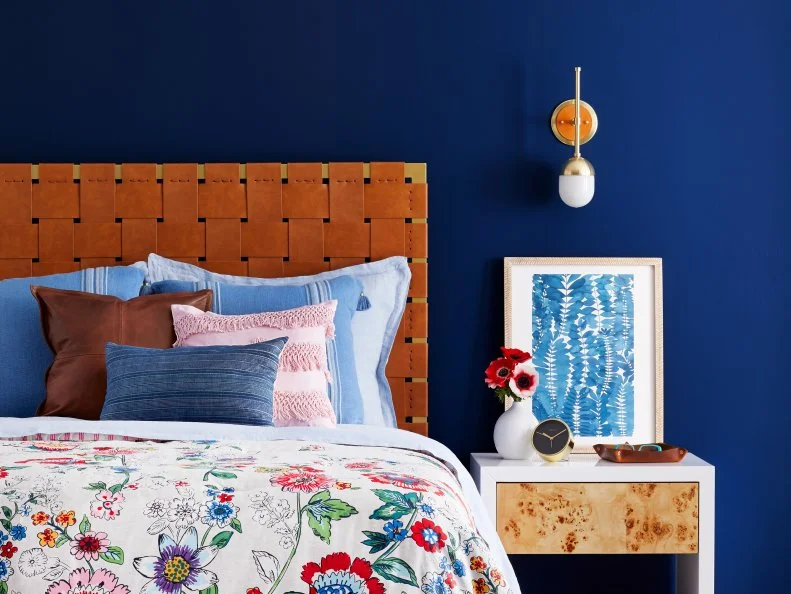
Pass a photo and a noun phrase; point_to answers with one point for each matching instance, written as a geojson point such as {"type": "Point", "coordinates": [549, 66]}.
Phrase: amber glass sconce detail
{"type": "Point", "coordinates": [574, 122]}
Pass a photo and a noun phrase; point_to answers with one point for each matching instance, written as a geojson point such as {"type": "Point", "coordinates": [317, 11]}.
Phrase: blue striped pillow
{"type": "Point", "coordinates": [213, 384]}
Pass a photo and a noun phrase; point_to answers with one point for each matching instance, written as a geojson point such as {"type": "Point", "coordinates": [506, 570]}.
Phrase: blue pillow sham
{"type": "Point", "coordinates": [374, 326]}
{"type": "Point", "coordinates": [212, 384]}
{"type": "Point", "coordinates": [24, 354]}
{"type": "Point", "coordinates": [344, 391]}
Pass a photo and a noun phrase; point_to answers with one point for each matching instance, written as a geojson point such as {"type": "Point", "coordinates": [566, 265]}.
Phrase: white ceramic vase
{"type": "Point", "coordinates": [513, 432]}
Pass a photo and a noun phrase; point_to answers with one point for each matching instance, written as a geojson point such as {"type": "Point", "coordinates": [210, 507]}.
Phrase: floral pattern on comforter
{"type": "Point", "coordinates": [226, 517]}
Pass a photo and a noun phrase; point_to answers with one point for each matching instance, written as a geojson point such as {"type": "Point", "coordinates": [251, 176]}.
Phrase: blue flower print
{"type": "Point", "coordinates": [5, 571]}
{"type": "Point", "coordinates": [427, 510]}
{"type": "Point", "coordinates": [433, 583]}
{"type": "Point", "coordinates": [394, 529]}
{"type": "Point", "coordinates": [444, 564]}
{"type": "Point", "coordinates": [458, 568]}
{"type": "Point", "coordinates": [218, 514]}
{"type": "Point", "coordinates": [3, 537]}
{"type": "Point", "coordinates": [18, 532]}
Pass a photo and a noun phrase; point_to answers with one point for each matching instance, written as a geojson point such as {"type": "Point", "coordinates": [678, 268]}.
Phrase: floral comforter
{"type": "Point", "coordinates": [209, 517]}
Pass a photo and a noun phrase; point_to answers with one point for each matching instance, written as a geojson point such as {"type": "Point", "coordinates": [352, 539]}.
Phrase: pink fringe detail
{"type": "Point", "coordinates": [302, 408]}
{"type": "Point", "coordinates": [304, 356]}
{"type": "Point", "coordinates": [307, 316]}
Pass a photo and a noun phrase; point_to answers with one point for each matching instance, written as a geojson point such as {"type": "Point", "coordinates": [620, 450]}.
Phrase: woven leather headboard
{"type": "Point", "coordinates": [258, 219]}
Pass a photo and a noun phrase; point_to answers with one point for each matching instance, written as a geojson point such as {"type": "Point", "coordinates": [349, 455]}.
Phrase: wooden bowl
{"type": "Point", "coordinates": [669, 454]}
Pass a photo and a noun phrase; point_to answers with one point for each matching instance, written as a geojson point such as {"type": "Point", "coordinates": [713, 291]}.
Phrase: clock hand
{"type": "Point", "coordinates": [561, 432]}
{"type": "Point", "coordinates": [545, 435]}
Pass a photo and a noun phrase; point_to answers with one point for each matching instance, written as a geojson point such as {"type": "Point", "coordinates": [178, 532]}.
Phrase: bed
{"type": "Point", "coordinates": [114, 507]}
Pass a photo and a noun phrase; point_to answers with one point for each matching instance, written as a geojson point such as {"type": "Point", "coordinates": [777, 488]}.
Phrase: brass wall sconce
{"type": "Point", "coordinates": [574, 122]}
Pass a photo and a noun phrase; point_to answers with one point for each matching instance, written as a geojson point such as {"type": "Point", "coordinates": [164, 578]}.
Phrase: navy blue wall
{"type": "Point", "coordinates": [690, 160]}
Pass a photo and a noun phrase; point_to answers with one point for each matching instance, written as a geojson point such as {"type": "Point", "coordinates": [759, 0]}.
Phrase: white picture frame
{"type": "Point", "coordinates": [598, 327]}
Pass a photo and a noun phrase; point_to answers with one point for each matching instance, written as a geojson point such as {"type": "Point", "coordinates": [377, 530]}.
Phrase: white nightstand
{"type": "Point", "coordinates": [588, 505]}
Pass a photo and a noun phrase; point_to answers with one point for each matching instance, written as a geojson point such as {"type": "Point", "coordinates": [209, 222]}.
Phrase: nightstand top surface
{"type": "Point", "coordinates": [579, 461]}
{"type": "Point", "coordinates": [586, 468]}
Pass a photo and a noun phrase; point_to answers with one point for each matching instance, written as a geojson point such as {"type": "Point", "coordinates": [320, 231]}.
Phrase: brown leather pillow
{"type": "Point", "coordinates": [77, 326]}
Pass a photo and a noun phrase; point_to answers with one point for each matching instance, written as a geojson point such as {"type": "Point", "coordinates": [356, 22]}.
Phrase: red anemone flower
{"type": "Point", "coordinates": [516, 355]}
{"type": "Point", "coordinates": [524, 381]}
{"type": "Point", "coordinates": [498, 372]}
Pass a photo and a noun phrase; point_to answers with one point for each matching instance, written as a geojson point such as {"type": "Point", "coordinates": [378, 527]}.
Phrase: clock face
{"type": "Point", "coordinates": [551, 436]}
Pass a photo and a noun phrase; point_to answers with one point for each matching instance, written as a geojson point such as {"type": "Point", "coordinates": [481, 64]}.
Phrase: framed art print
{"type": "Point", "coordinates": [594, 328]}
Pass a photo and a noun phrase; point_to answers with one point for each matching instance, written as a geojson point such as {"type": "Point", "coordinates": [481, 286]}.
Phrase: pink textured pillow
{"type": "Point", "coordinates": [301, 397]}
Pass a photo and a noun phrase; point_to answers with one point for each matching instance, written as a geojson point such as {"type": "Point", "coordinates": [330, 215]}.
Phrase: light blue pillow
{"type": "Point", "coordinates": [343, 390]}
{"type": "Point", "coordinates": [24, 354]}
{"type": "Point", "coordinates": [385, 284]}
{"type": "Point", "coordinates": [212, 384]}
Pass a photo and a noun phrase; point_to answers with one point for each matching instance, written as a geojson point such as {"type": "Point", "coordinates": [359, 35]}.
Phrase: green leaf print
{"type": "Point", "coordinates": [222, 539]}
{"type": "Point", "coordinates": [236, 525]}
{"type": "Point", "coordinates": [113, 555]}
{"type": "Point", "coordinates": [396, 570]}
{"type": "Point", "coordinates": [85, 525]}
{"type": "Point", "coordinates": [378, 541]}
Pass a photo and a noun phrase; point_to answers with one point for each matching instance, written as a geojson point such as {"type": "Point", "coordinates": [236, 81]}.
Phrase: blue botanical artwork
{"type": "Point", "coordinates": [583, 347]}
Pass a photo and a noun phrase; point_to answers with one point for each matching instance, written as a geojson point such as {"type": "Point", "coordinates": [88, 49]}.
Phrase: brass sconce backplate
{"type": "Point", "coordinates": [562, 122]}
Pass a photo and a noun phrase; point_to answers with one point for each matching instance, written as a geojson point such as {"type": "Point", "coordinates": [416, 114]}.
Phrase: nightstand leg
{"type": "Point", "coordinates": [695, 573]}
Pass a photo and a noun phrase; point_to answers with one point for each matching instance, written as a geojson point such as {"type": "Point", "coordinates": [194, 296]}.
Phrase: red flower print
{"type": "Point", "coordinates": [224, 497]}
{"type": "Point", "coordinates": [516, 355]}
{"type": "Point", "coordinates": [39, 518]}
{"type": "Point", "coordinates": [450, 580]}
{"type": "Point", "coordinates": [253, 591]}
{"type": "Point", "coordinates": [497, 577]}
{"type": "Point", "coordinates": [499, 372]}
{"type": "Point", "coordinates": [182, 484]}
{"type": "Point", "coordinates": [302, 482]}
{"type": "Point", "coordinates": [479, 586]}
{"type": "Point", "coordinates": [89, 545]}
{"type": "Point", "coordinates": [3, 473]}
{"type": "Point", "coordinates": [478, 564]}
{"type": "Point", "coordinates": [133, 486]}
{"type": "Point", "coordinates": [343, 486]}
{"type": "Point", "coordinates": [337, 572]}
{"type": "Point", "coordinates": [8, 550]}
{"type": "Point", "coordinates": [428, 535]}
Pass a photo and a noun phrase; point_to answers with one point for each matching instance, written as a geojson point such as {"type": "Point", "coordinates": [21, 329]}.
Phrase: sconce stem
{"type": "Point", "coordinates": [577, 71]}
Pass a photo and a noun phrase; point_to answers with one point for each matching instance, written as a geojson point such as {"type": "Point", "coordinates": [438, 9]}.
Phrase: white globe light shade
{"type": "Point", "coordinates": [576, 190]}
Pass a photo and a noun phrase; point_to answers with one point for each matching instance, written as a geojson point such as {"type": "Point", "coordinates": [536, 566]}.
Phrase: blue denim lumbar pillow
{"type": "Point", "coordinates": [213, 384]}
{"type": "Point", "coordinates": [343, 390]}
{"type": "Point", "coordinates": [24, 354]}
{"type": "Point", "coordinates": [374, 326]}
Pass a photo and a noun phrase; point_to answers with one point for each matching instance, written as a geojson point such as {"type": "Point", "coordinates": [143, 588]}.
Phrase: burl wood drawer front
{"type": "Point", "coordinates": [598, 517]}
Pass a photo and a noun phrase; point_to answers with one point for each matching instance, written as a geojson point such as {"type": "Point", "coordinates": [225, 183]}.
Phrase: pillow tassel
{"type": "Point", "coordinates": [363, 303]}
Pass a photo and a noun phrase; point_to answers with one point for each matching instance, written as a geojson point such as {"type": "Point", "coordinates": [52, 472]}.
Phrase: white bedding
{"type": "Point", "coordinates": [343, 434]}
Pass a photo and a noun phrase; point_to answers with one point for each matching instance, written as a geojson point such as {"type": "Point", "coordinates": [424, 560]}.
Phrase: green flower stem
{"type": "Point", "coordinates": [59, 529]}
{"type": "Point", "coordinates": [391, 549]}
{"type": "Point", "coordinates": [280, 575]}
{"type": "Point", "coordinates": [205, 536]}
